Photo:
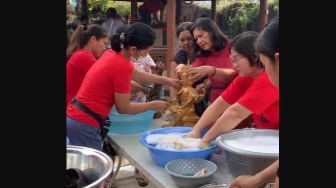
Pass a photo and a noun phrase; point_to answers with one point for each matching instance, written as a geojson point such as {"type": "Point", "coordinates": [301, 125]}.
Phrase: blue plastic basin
{"type": "Point", "coordinates": [161, 156]}
{"type": "Point", "coordinates": [126, 124]}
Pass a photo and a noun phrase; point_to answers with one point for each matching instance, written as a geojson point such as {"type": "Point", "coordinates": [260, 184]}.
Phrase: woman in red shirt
{"type": "Point", "coordinates": [250, 93]}
{"type": "Point", "coordinates": [267, 46]}
{"type": "Point", "coordinates": [84, 49]}
{"type": "Point", "coordinates": [211, 48]}
{"type": "Point", "coordinates": [108, 83]}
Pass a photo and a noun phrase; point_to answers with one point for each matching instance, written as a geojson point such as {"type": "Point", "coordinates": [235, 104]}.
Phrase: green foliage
{"type": "Point", "coordinates": [100, 6]}
{"type": "Point", "coordinates": [122, 9]}
{"type": "Point", "coordinates": [241, 16]}
{"type": "Point", "coordinates": [97, 5]}
{"type": "Point", "coordinates": [274, 5]}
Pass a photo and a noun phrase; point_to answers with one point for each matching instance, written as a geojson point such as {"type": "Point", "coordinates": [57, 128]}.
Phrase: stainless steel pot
{"type": "Point", "coordinates": [87, 159]}
{"type": "Point", "coordinates": [242, 162]}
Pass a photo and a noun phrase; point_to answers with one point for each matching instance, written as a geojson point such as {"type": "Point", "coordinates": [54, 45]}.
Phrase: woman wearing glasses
{"type": "Point", "coordinates": [267, 46]}
{"type": "Point", "coordinates": [250, 93]}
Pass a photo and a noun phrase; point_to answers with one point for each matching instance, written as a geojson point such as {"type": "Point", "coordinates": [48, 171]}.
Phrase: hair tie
{"type": "Point", "coordinates": [122, 37]}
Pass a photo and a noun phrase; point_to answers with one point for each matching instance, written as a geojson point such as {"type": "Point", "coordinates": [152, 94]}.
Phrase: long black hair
{"type": "Point", "coordinates": [268, 41]}
{"type": "Point", "coordinates": [137, 34]}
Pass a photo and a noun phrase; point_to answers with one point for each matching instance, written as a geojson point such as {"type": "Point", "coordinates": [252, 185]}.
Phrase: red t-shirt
{"type": "Point", "coordinates": [151, 7]}
{"type": "Point", "coordinates": [259, 96]}
{"type": "Point", "coordinates": [220, 59]}
{"type": "Point", "coordinates": [110, 74]}
{"type": "Point", "coordinates": [77, 66]}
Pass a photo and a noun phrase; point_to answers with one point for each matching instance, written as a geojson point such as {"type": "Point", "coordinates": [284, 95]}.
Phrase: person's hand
{"type": "Point", "coordinates": [193, 134]}
{"type": "Point", "coordinates": [160, 106]}
{"type": "Point", "coordinates": [176, 83]}
{"type": "Point", "coordinates": [199, 88]}
{"type": "Point", "coordinates": [178, 69]}
{"type": "Point", "coordinates": [244, 181]}
{"type": "Point", "coordinates": [160, 65]}
{"type": "Point", "coordinates": [199, 72]}
{"type": "Point", "coordinates": [204, 145]}
{"type": "Point", "coordinates": [136, 87]}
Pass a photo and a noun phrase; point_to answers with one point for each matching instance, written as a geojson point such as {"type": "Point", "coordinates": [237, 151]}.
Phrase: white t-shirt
{"type": "Point", "coordinates": [116, 24]}
{"type": "Point", "coordinates": [144, 66]}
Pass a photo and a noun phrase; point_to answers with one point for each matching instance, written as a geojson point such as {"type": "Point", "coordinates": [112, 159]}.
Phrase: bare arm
{"type": "Point", "coordinates": [221, 74]}
{"type": "Point", "coordinates": [178, 69]}
{"type": "Point", "coordinates": [209, 116]}
{"type": "Point", "coordinates": [124, 106]}
{"type": "Point", "coordinates": [172, 91]}
{"type": "Point", "coordinates": [224, 75]}
{"type": "Point", "coordinates": [232, 116]}
{"type": "Point", "coordinates": [268, 174]}
{"type": "Point", "coordinates": [259, 179]}
{"type": "Point", "coordinates": [156, 18]}
{"type": "Point", "coordinates": [144, 77]}
{"type": "Point", "coordinates": [276, 185]}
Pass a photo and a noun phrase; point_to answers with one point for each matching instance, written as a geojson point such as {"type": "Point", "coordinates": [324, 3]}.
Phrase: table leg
{"type": "Point", "coordinates": [112, 180]}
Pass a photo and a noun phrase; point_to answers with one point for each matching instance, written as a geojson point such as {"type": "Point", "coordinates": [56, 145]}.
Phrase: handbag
{"type": "Point", "coordinates": [104, 124]}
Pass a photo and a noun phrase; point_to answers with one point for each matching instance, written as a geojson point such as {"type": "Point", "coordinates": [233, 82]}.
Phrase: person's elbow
{"type": "Point", "coordinates": [238, 112]}
{"type": "Point", "coordinates": [230, 75]}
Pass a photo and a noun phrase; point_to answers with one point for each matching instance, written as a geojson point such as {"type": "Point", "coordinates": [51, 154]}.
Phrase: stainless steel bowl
{"type": "Point", "coordinates": [84, 158]}
{"type": "Point", "coordinates": [242, 162]}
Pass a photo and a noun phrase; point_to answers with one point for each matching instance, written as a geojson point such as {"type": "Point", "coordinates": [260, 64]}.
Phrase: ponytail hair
{"type": "Point", "coordinates": [117, 39]}
{"type": "Point", "coordinates": [82, 35]}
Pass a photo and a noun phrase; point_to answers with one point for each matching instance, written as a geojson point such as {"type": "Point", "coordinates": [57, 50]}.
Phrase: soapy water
{"type": "Point", "coordinates": [173, 141]}
{"type": "Point", "coordinates": [261, 144]}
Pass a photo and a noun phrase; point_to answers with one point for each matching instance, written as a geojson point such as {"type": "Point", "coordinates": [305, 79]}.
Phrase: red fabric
{"type": "Point", "coordinates": [110, 74]}
{"type": "Point", "coordinates": [220, 59]}
{"type": "Point", "coordinates": [77, 66]}
{"type": "Point", "coordinates": [151, 6]}
{"type": "Point", "coordinates": [259, 96]}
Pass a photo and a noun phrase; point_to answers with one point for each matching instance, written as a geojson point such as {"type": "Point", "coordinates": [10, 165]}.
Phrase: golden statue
{"type": "Point", "coordinates": [182, 107]}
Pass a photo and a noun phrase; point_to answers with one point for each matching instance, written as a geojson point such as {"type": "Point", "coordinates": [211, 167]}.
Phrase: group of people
{"type": "Point", "coordinates": [99, 78]}
{"type": "Point", "coordinates": [242, 79]}
{"type": "Point", "coordinates": [241, 76]}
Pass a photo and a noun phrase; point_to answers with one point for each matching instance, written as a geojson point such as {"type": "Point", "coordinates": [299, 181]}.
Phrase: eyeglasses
{"type": "Point", "coordinates": [235, 59]}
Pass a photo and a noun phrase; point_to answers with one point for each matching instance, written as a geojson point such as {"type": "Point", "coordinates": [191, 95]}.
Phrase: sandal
{"type": "Point", "coordinates": [141, 179]}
